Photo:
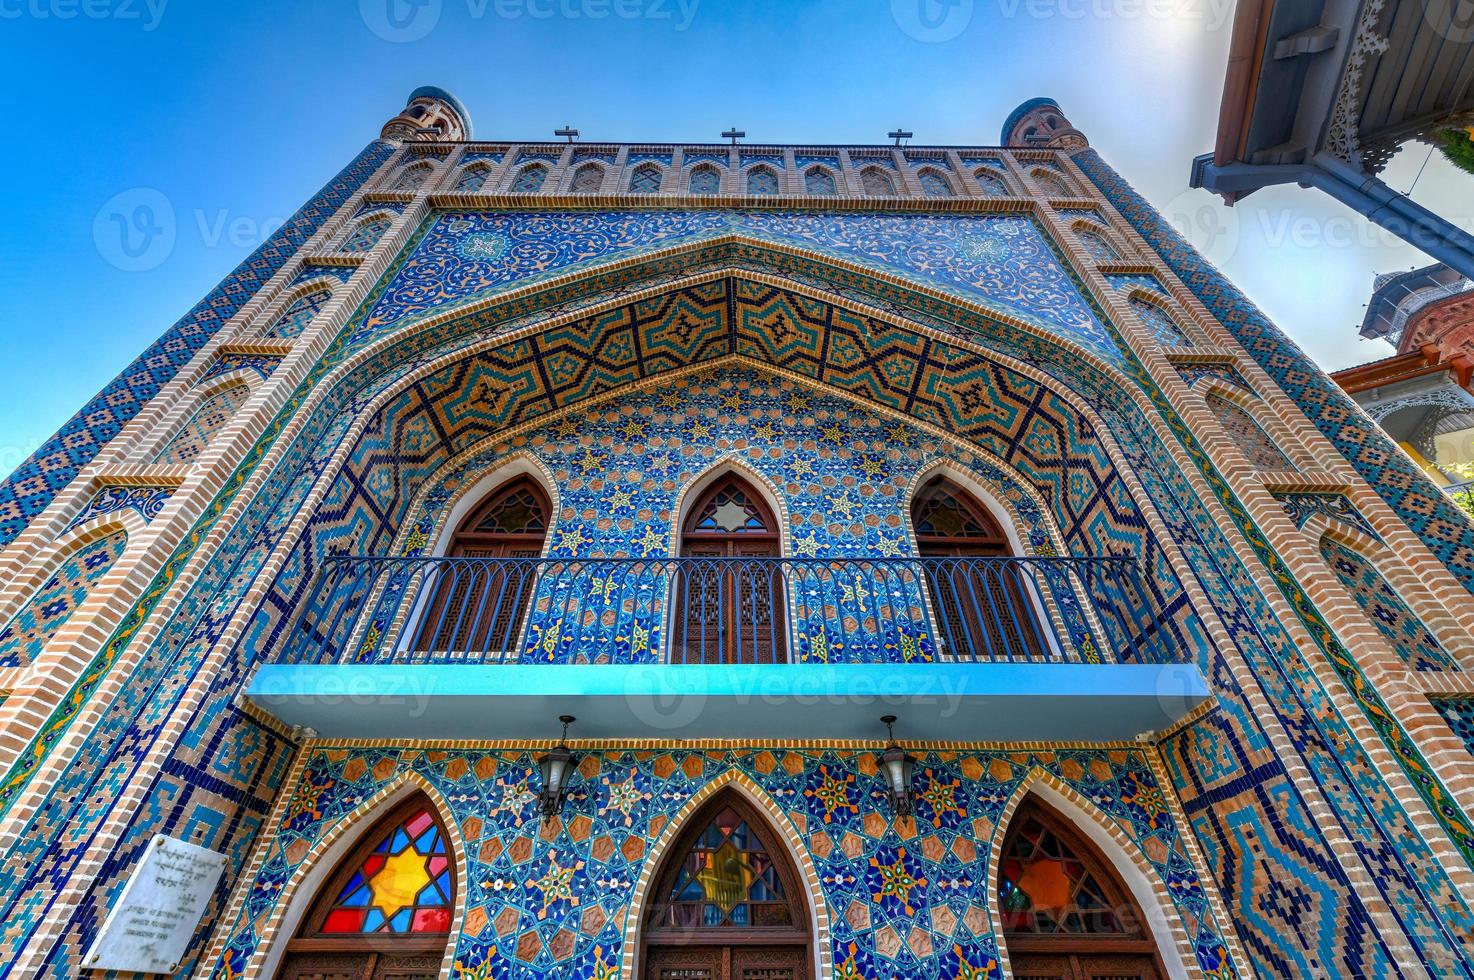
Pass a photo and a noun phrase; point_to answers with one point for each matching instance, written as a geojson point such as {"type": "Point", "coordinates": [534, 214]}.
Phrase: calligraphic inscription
{"type": "Point", "coordinates": [149, 928]}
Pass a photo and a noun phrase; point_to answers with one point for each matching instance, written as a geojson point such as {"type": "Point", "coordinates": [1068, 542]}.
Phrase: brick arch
{"type": "Point", "coordinates": [731, 462]}
{"type": "Point", "coordinates": [331, 846]}
{"type": "Point", "coordinates": [784, 831]}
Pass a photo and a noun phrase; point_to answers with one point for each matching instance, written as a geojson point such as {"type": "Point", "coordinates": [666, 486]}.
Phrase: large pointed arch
{"type": "Point", "coordinates": [1134, 880]}
{"type": "Point", "coordinates": [785, 843]}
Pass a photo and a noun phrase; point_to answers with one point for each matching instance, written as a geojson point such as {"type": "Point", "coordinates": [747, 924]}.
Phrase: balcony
{"type": "Point", "coordinates": [964, 648]}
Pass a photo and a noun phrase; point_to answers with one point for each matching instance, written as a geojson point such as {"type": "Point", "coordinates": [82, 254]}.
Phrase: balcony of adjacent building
{"type": "Point", "coordinates": [965, 648]}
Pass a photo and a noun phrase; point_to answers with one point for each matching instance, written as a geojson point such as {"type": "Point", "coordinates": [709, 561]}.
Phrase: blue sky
{"type": "Point", "coordinates": [233, 114]}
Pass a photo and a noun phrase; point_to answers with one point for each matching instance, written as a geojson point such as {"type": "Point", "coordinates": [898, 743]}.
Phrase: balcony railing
{"type": "Point", "coordinates": [390, 610]}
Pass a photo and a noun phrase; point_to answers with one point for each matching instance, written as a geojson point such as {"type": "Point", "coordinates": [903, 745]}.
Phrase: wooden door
{"type": "Point", "coordinates": [728, 607]}
{"type": "Point", "coordinates": [478, 607]}
{"type": "Point", "coordinates": [985, 610]}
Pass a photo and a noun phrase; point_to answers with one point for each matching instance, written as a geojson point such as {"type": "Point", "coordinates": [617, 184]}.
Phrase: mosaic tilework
{"type": "Point", "coordinates": [31, 487]}
{"type": "Point", "coordinates": [260, 364]}
{"type": "Point", "coordinates": [146, 502]}
{"type": "Point", "coordinates": [1158, 321]}
{"type": "Point", "coordinates": [53, 603]}
{"type": "Point", "coordinates": [366, 235]}
{"type": "Point", "coordinates": [310, 271]}
{"type": "Point", "coordinates": [1328, 922]}
{"type": "Point", "coordinates": [1385, 608]}
{"type": "Point", "coordinates": [1459, 713]}
{"type": "Point", "coordinates": [552, 905]}
{"type": "Point", "coordinates": [1246, 434]}
{"type": "Point", "coordinates": [212, 415]}
{"type": "Point", "coordinates": [1003, 261]}
{"type": "Point", "coordinates": [295, 318]}
{"type": "Point", "coordinates": [1192, 373]}
{"type": "Point", "coordinates": [1302, 506]}
{"type": "Point", "coordinates": [1408, 491]}
{"type": "Point", "coordinates": [394, 207]}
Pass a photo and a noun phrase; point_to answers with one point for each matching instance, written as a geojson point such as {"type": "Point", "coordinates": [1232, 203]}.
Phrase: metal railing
{"type": "Point", "coordinates": [729, 610]}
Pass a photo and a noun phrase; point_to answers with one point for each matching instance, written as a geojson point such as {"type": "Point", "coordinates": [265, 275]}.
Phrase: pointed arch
{"type": "Point", "coordinates": [877, 183]}
{"type": "Point", "coordinates": [529, 179]}
{"type": "Point", "coordinates": [313, 874]}
{"type": "Point", "coordinates": [52, 599]}
{"type": "Point", "coordinates": [473, 177]}
{"type": "Point", "coordinates": [1049, 182]}
{"type": "Point", "coordinates": [647, 178]}
{"type": "Point", "coordinates": [729, 464]}
{"type": "Point", "coordinates": [588, 179]}
{"type": "Point", "coordinates": [820, 181]}
{"type": "Point", "coordinates": [934, 183]}
{"type": "Point", "coordinates": [211, 410]}
{"type": "Point", "coordinates": [1093, 240]}
{"type": "Point", "coordinates": [1151, 309]}
{"type": "Point", "coordinates": [786, 842]}
{"type": "Point", "coordinates": [301, 309]}
{"type": "Point", "coordinates": [762, 181]}
{"type": "Point", "coordinates": [1161, 925]}
{"type": "Point", "coordinates": [413, 176]}
{"type": "Point", "coordinates": [1244, 430]}
{"type": "Point", "coordinates": [991, 182]}
{"type": "Point", "coordinates": [704, 178]}
{"type": "Point", "coordinates": [365, 234]}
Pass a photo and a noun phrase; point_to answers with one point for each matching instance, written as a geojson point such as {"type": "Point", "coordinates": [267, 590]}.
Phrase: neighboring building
{"type": "Point", "coordinates": [727, 453]}
{"type": "Point", "coordinates": [1322, 93]}
{"type": "Point", "coordinates": [1421, 395]}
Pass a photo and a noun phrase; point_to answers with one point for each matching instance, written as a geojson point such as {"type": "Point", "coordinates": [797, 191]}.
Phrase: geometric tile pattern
{"type": "Point", "coordinates": [1385, 608]}
{"type": "Point", "coordinates": [1459, 713]}
{"type": "Point", "coordinates": [1301, 507]}
{"type": "Point", "coordinates": [48, 609]}
{"type": "Point", "coordinates": [295, 318]}
{"type": "Point", "coordinates": [1246, 434]}
{"type": "Point", "coordinates": [261, 364]}
{"type": "Point", "coordinates": [906, 898]}
{"type": "Point", "coordinates": [209, 418]}
{"type": "Point", "coordinates": [145, 501]}
{"type": "Point", "coordinates": [1158, 321]}
{"type": "Point", "coordinates": [30, 488]}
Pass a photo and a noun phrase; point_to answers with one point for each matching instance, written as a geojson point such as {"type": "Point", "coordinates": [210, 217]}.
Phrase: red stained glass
{"type": "Point", "coordinates": [403, 886]}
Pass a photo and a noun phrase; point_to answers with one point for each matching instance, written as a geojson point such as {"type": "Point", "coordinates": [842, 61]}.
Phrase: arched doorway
{"type": "Point", "coordinates": [1066, 914]}
{"type": "Point", "coordinates": [385, 913]}
{"type": "Point", "coordinates": [985, 609]}
{"type": "Point", "coordinates": [478, 606]}
{"type": "Point", "coordinates": [728, 904]}
{"type": "Point", "coordinates": [729, 594]}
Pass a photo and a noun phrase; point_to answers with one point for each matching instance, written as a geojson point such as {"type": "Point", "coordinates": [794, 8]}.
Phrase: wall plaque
{"type": "Point", "coordinates": [150, 926]}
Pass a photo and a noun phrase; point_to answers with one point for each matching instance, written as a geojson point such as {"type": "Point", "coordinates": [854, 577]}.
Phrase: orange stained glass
{"type": "Point", "coordinates": [1047, 888]}
{"type": "Point", "coordinates": [403, 886]}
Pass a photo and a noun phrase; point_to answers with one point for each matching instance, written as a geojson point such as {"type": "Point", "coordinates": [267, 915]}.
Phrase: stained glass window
{"type": "Point", "coordinates": [939, 512]}
{"type": "Point", "coordinates": [1096, 246]}
{"type": "Point", "coordinates": [819, 182]}
{"type": "Point", "coordinates": [1045, 887]}
{"type": "Point", "coordinates": [403, 885]}
{"type": "Point", "coordinates": [211, 416]}
{"type": "Point", "coordinates": [729, 509]}
{"type": "Point", "coordinates": [530, 179]}
{"type": "Point", "coordinates": [367, 235]}
{"type": "Point", "coordinates": [992, 184]}
{"type": "Point", "coordinates": [727, 878]}
{"type": "Point", "coordinates": [762, 181]}
{"type": "Point", "coordinates": [298, 315]}
{"type": "Point", "coordinates": [706, 180]}
{"type": "Point", "coordinates": [645, 180]}
{"type": "Point", "coordinates": [588, 179]}
{"type": "Point", "coordinates": [1158, 321]}
{"type": "Point", "coordinates": [518, 510]}
{"type": "Point", "coordinates": [473, 178]}
{"type": "Point", "coordinates": [877, 182]}
{"type": "Point", "coordinates": [933, 184]}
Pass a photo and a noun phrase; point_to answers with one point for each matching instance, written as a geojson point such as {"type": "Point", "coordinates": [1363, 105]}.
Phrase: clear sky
{"type": "Point", "coordinates": [232, 114]}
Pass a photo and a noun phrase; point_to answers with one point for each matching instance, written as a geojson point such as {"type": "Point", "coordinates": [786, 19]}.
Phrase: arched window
{"type": "Point", "coordinates": [478, 595]}
{"type": "Point", "coordinates": [730, 600]}
{"type": "Point", "coordinates": [473, 178]}
{"type": "Point", "coordinates": [411, 178]}
{"type": "Point", "coordinates": [762, 182]}
{"type": "Point", "coordinates": [819, 182]}
{"type": "Point", "coordinates": [727, 902]}
{"type": "Point", "coordinates": [983, 601]}
{"type": "Point", "coordinates": [295, 318]}
{"type": "Point", "coordinates": [588, 179]}
{"type": "Point", "coordinates": [367, 234]}
{"type": "Point", "coordinates": [1246, 434]}
{"type": "Point", "coordinates": [1398, 624]}
{"type": "Point", "coordinates": [1158, 321]}
{"type": "Point", "coordinates": [209, 418]}
{"type": "Point", "coordinates": [991, 183]}
{"type": "Point", "coordinates": [386, 911]}
{"type": "Point", "coordinates": [877, 183]}
{"type": "Point", "coordinates": [933, 183]}
{"type": "Point", "coordinates": [1066, 913]}
{"type": "Point", "coordinates": [530, 179]}
{"type": "Point", "coordinates": [645, 179]}
{"type": "Point", "coordinates": [1051, 185]}
{"type": "Point", "coordinates": [51, 605]}
{"type": "Point", "coordinates": [706, 180]}
{"type": "Point", "coordinates": [1096, 246]}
